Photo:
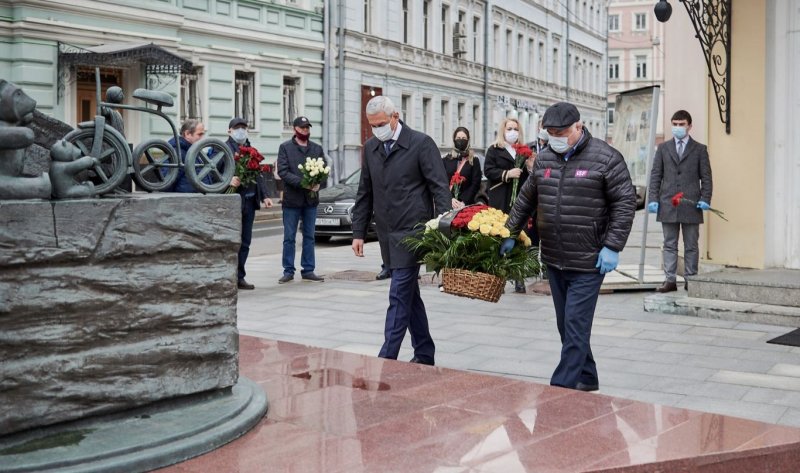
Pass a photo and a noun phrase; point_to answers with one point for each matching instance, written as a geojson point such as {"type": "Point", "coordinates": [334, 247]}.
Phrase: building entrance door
{"type": "Point", "coordinates": [86, 93]}
{"type": "Point", "coordinates": [367, 93]}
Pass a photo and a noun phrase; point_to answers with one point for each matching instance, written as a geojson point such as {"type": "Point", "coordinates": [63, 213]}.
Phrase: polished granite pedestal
{"type": "Point", "coordinates": [333, 411]}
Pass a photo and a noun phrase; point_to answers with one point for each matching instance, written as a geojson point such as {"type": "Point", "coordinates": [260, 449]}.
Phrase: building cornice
{"type": "Point", "coordinates": [103, 10]}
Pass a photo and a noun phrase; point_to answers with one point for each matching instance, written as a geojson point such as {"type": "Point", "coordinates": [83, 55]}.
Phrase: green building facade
{"type": "Point", "coordinates": [260, 59]}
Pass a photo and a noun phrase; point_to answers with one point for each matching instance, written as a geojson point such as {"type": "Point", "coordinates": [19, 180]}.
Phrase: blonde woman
{"type": "Point", "coordinates": [500, 165]}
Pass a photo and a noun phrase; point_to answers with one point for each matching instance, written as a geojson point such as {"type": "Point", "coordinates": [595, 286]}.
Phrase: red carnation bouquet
{"type": "Point", "coordinates": [455, 184]}
{"type": "Point", "coordinates": [248, 166]}
{"type": "Point", "coordinates": [523, 154]}
{"type": "Point", "coordinates": [678, 199]}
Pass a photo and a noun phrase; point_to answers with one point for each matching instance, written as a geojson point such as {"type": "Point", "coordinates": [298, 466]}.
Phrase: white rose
{"type": "Point", "coordinates": [300, 167]}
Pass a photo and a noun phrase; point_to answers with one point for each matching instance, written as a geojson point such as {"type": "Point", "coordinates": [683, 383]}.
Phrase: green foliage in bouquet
{"type": "Point", "coordinates": [473, 243]}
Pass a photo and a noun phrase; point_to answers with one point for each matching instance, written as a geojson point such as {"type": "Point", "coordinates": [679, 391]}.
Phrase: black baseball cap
{"type": "Point", "coordinates": [560, 115]}
{"type": "Point", "coordinates": [301, 122]}
{"type": "Point", "coordinates": [238, 121]}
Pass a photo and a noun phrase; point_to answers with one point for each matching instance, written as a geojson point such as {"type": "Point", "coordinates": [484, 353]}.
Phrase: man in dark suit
{"type": "Point", "coordinates": [680, 165]}
{"type": "Point", "coordinates": [402, 179]}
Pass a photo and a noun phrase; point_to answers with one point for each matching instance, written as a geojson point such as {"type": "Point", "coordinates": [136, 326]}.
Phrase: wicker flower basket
{"type": "Point", "coordinates": [460, 282]}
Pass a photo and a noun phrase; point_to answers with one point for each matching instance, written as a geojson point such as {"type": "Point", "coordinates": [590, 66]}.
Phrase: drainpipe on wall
{"type": "Point", "coordinates": [326, 80]}
{"type": "Point", "coordinates": [486, 21]}
{"type": "Point", "coordinates": [566, 54]}
{"type": "Point", "coordinates": [340, 17]}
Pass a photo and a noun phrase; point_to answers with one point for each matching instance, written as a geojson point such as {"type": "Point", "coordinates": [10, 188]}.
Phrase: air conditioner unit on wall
{"type": "Point", "coordinates": [459, 45]}
{"type": "Point", "coordinates": [460, 30]}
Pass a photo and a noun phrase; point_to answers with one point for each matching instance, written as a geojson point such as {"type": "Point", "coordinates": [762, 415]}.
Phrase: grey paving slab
{"type": "Point", "coordinates": [705, 364]}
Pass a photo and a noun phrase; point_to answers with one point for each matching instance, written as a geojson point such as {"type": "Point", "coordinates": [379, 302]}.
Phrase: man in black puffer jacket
{"type": "Point", "coordinates": [585, 201]}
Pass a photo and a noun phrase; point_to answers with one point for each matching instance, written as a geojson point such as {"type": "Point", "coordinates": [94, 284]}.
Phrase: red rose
{"type": "Point", "coordinates": [676, 199]}
{"type": "Point", "coordinates": [253, 164]}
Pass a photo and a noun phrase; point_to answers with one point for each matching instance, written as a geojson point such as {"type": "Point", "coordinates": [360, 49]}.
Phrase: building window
{"type": "Point", "coordinates": [640, 21]}
{"type": "Point", "coordinates": [462, 119]}
{"type": "Point", "coordinates": [610, 113]}
{"type": "Point", "coordinates": [476, 125]}
{"type": "Point", "coordinates": [426, 8]}
{"type": "Point", "coordinates": [405, 21]}
{"type": "Point", "coordinates": [445, 28]}
{"type": "Point", "coordinates": [556, 71]}
{"type": "Point", "coordinates": [191, 106]}
{"type": "Point", "coordinates": [509, 51]}
{"type": "Point", "coordinates": [497, 46]}
{"type": "Point", "coordinates": [613, 68]}
{"type": "Point", "coordinates": [641, 67]}
{"type": "Point", "coordinates": [405, 109]}
{"type": "Point", "coordinates": [245, 100]}
{"type": "Point", "coordinates": [445, 114]}
{"type": "Point", "coordinates": [520, 54]}
{"type": "Point", "coordinates": [531, 58]}
{"type": "Point", "coordinates": [476, 27]}
{"type": "Point", "coordinates": [367, 14]}
{"type": "Point", "coordinates": [426, 114]}
{"type": "Point", "coordinates": [290, 106]}
{"type": "Point", "coordinates": [540, 73]}
{"type": "Point", "coordinates": [613, 23]}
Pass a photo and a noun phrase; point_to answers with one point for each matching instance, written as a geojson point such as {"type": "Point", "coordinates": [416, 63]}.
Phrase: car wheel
{"type": "Point", "coordinates": [322, 238]}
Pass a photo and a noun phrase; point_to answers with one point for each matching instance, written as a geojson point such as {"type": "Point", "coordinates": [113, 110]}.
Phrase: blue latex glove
{"type": "Point", "coordinates": [703, 205]}
{"type": "Point", "coordinates": [652, 207]}
{"type": "Point", "coordinates": [607, 260]}
{"type": "Point", "coordinates": [507, 246]}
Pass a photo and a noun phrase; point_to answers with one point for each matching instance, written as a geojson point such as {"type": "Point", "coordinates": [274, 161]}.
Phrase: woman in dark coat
{"type": "Point", "coordinates": [463, 160]}
{"type": "Point", "coordinates": [500, 167]}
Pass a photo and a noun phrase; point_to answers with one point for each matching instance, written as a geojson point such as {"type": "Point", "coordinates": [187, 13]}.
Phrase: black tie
{"type": "Point", "coordinates": [387, 146]}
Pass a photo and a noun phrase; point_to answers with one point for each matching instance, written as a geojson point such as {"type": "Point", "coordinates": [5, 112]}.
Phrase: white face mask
{"type": "Point", "coordinates": [511, 136]}
{"type": "Point", "coordinates": [559, 144]}
{"type": "Point", "coordinates": [384, 132]}
{"type": "Point", "coordinates": [239, 135]}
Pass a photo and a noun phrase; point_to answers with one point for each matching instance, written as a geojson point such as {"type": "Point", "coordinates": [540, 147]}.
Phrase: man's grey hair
{"type": "Point", "coordinates": [380, 104]}
{"type": "Point", "coordinates": [190, 125]}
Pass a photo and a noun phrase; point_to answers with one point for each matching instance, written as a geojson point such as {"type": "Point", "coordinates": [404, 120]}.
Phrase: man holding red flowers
{"type": "Point", "coordinates": [253, 195]}
{"type": "Point", "coordinates": [680, 165]}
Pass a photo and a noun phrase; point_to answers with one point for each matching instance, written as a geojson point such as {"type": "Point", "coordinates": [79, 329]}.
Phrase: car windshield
{"type": "Point", "coordinates": [352, 179]}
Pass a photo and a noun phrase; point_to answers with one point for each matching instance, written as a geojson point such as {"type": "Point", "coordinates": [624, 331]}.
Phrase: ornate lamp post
{"type": "Point", "coordinates": [711, 20]}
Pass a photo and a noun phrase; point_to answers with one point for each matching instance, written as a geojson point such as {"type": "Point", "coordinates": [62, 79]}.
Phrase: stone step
{"type": "Point", "coordinates": [680, 304]}
{"type": "Point", "coordinates": [768, 286]}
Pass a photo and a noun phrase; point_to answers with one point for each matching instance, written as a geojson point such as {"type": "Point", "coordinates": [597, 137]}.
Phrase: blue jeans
{"type": "Point", "coordinates": [291, 220]}
{"type": "Point", "coordinates": [575, 298]}
{"type": "Point", "coordinates": [248, 217]}
{"type": "Point", "coordinates": [406, 312]}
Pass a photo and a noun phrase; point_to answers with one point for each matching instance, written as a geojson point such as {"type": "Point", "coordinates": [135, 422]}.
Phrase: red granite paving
{"type": "Point", "coordinates": [337, 412]}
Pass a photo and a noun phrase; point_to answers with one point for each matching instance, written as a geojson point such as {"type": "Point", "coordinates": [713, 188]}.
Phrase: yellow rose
{"type": "Point", "coordinates": [505, 233]}
{"type": "Point", "coordinates": [473, 225]}
{"type": "Point", "coordinates": [485, 229]}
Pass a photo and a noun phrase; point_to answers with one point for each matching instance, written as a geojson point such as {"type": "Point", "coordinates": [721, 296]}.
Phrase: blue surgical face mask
{"type": "Point", "coordinates": [560, 144]}
{"type": "Point", "coordinates": [239, 135]}
{"type": "Point", "coordinates": [679, 132]}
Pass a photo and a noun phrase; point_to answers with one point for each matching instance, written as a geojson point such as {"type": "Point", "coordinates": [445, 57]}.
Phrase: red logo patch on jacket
{"type": "Point", "coordinates": [547, 173]}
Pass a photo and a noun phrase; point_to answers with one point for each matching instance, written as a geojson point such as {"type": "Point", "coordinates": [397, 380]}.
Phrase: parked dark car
{"type": "Point", "coordinates": [335, 210]}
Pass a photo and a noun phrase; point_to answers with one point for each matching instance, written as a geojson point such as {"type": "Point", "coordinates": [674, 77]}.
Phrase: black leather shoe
{"type": "Point", "coordinates": [587, 387]}
{"type": "Point", "coordinates": [685, 285]}
{"type": "Point", "coordinates": [384, 274]}
{"type": "Point", "coordinates": [245, 285]}
{"type": "Point", "coordinates": [311, 277]}
{"type": "Point", "coordinates": [421, 362]}
{"type": "Point", "coordinates": [668, 286]}
{"type": "Point", "coordinates": [286, 278]}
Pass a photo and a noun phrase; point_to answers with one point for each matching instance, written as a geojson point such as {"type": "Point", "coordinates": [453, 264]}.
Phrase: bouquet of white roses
{"type": "Point", "coordinates": [314, 172]}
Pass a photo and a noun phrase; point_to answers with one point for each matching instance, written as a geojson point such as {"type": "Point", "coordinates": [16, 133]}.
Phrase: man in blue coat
{"type": "Point", "coordinates": [404, 183]}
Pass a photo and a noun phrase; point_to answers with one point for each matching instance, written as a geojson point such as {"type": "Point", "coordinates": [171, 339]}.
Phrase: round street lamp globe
{"type": "Point", "coordinates": [663, 10]}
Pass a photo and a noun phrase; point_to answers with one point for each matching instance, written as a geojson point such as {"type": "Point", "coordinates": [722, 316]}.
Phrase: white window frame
{"type": "Point", "coordinates": [239, 85]}
{"type": "Point", "coordinates": [286, 114]}
{"type": "Point", "coordinates": [641, 66]}
{"type": "Point", "coordinates": [613, 65]}
{"type": "Point", "coordinates": [407, 108]}
{"type": "Point", "coordinates": [636, 26]}
{"type": "Point", "coordinates": [195, 81]}
{"type": "Point", "coordinates": [613, 23]}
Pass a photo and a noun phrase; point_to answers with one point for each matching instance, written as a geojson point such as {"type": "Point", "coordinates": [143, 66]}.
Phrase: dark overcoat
{"type": "Point", "coordinates": [690, 175]}
{"type": "Point", "coordinates": [259, 188]}
{"type": "Point", "coordinates": [404, 189]}
{"type": "Point", "coordinates": [496, 166]}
